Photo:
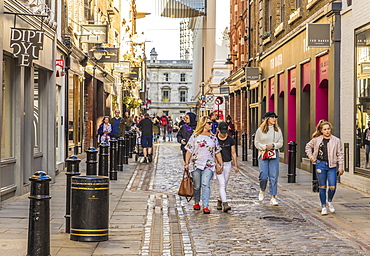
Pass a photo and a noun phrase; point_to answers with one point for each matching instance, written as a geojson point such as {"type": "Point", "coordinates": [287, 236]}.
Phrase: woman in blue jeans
{"type": "Point", "coordinates": [325, 150]}
{"type": "Point", "coordinates": [268, 138]}
{"type": "Point", "coordinates": [202, 148]}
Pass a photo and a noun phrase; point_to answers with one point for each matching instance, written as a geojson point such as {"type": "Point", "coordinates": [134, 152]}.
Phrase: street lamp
{"type": "Point", "coordinates": [98, 52]}
{"type": "Point", "coordinates": [229, 64]}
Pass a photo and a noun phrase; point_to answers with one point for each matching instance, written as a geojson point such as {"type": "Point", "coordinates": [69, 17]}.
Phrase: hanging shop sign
{"type": "Point", "coordinates": [122, 68]}
{"type": "Point", "coordinates": [94, 34]}
{"type": "Point", "coordinates": [252, 73]}
{"type": "Point", "coordinates": [111, 56]}
{"type": "Point", "coordinates": [318, 34]}
{"type": "Point", "coordinates": [26, 44]}
{"type": "Point", "coordinates": [224, 90]}
{"type": "Point", "coordinates": [59, 63]}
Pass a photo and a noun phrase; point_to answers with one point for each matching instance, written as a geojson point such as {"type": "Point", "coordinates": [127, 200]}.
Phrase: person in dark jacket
{"type": "Point", "coordinates": [186, 130]}
{"type": "Point", "coordinates": [366, 143]}
{"type": "Point", "coordinates": [118, 125]}
{"type": "Point", "coordinates": [231, 126]}
{"type": "Point", "coordinates": [146, 128]}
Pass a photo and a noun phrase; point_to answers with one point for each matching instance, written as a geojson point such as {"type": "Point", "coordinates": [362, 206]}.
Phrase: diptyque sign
{"type": "Point", "coordinates": [26, 44]}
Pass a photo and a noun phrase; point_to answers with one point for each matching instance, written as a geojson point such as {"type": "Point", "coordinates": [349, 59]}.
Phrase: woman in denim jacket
{"type": "Point", "coordinates": [325, 150]}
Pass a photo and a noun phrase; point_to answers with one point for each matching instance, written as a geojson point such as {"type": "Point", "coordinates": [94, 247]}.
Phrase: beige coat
{"type": "Point", "coordinates": [335, 151]}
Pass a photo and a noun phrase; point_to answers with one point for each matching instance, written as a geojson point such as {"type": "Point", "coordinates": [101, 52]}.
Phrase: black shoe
{"type": "Point", "coordinates": [145, 160]}
{"type": "Point", "coordinates": [150, 158]}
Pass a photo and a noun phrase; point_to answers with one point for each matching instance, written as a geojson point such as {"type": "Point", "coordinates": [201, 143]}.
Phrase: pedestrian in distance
{"type": "Point", "coordinates": [366, 143]}
{"type": "Point", "coordinates": [231, 126]}
{"type": "Point", "coordinates": [213, 118]}
{"type": "Point", "coordinates": [128, 121]}
{"type": "Point", "coordinates": [145, 126]}
{"type": "Point", "coordinates": [325, 150]}
{"type": "Point", "coordinates": [228, 153]}
{"type": "Point", "coordinates": [202, 149]}
{"type": "Point", "coordinates": [156, 124]}
{"type": "Point", "coordinates": [269, 138]}
{"type": "Point", "coordinates": [170, 128]}
{"type": "Point", "coordinates": [164, 123]}
{"type": "Point", "coordinates": [118, 125]}
{"type": "Point", "coordinates": [186, 130]}
{"type": "Point", "coordinates": [105, 129]}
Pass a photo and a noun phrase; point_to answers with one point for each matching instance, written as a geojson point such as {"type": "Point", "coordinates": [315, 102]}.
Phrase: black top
{"type": "Point", "coordinates": [226, 148]}
{"type": "Point", "coordinates": [145, 125]}
{"type": "Point", "coordinates": [322, 155]}
{"type": "Point", "coordinates": [366, 137]}
{"type": "Point", "coordinates": [184, 133]}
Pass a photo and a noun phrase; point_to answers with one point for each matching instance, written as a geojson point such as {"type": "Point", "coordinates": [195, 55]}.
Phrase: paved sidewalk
{"type": "Point", "coordinates": [352, 216]}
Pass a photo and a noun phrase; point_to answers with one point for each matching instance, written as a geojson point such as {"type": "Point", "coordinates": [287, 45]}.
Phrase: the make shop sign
{"type": "Point", "coordinates": [26, 44]}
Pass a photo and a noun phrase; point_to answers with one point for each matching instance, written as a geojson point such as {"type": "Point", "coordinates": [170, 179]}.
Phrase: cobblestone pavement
{"type": "Point", "coordinates": [251, 228]}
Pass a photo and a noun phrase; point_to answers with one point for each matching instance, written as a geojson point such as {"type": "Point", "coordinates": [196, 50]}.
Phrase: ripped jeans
{"type": "Point", "coordinates": [202, 180]}
{"type": "Point", "coordinates": [326, 175]}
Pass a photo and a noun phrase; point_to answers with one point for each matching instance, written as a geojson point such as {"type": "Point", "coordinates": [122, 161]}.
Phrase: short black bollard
{"type": "Point", "coordinates": [103, 159]}
{"type": "Point", "coordinates": [72, 163]}
{"type": "Point", "coordinates": [236, 141]}
{"type": "Point", "coordinates": [91, 161]}
{"type": "Point", "coordinates": [113, 158]}
{"type": "Point", "coordinates": [244, 147]}
{"type": "Point", "coordinates": [131, 138]}
{"type": "Point", "coordinates": [315, 181]}
{"type": "Point", "coordinates": [292, 162]}
{"type": "Point", "coordinates": [121, 148]}
{"type": "Point", "coordinates": [358, 149]}
{"type": "Point", "coordinates": [254, 152]}
{"type": "Point", "coordinates": [125, 156]}
{"type": "Point", "coordinates": [39, 215]}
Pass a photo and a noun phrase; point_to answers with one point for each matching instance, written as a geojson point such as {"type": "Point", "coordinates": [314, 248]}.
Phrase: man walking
{"type": "Point", "coordinates": [128, 121]}
{"type": "Point", "coordinates": [145, 126]}
{"type": "Point", "coordinates": [118, 125]}
{"type": "Point", "coordinates": [164, 123]}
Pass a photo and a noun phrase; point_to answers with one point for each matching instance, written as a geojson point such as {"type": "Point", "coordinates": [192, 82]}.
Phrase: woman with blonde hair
{"type": "Point", "coordinates": [202, 148]}
{"type": "Point", "coordinates": [325, 150]}
{"type": "Point", "coordinates": [269, 138]}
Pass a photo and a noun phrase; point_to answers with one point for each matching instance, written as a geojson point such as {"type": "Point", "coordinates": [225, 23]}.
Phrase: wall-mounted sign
{"type": "Point", "coordinates": [94, 34]}
{"type": "Point", "coordinates": [59, 63]}
{"type": "Point", "coordinates": [365, 68]}
{"type": "Point", "coordinates": [26, 44]}
{"type": "Point", "coordinates": [252, 73]}
{"type": "Point", "coordinates": [123, 68]}
{"type": "Point", "coordinates": [318, 34]}
{"type": "Point", "coordinates": [224, 90]}
{"type": "Point", "coordinates": [111, 56]}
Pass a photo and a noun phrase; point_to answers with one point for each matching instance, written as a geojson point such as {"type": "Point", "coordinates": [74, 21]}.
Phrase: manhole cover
{"type": "Point", "coordinates": [282, 219]}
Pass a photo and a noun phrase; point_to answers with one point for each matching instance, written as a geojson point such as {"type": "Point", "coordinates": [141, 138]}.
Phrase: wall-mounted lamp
{"type": "Point", "coordinates": [98, 52]}
{"type": "Point", "coordinates": [229, 64]}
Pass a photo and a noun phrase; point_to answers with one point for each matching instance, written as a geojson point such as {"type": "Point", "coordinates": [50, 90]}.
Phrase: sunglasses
{"type": "Point", "coordinates": [208, 122]}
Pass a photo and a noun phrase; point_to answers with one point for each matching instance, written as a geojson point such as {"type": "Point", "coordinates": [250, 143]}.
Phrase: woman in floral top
{"type": "Point", "coordinates": [202, 148]}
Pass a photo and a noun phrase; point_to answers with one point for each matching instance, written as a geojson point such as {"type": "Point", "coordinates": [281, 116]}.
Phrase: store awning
{"type": "Point", "coordinates": [181, 8]}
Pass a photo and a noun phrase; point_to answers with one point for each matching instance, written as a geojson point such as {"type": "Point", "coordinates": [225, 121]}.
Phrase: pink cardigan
{"type": "Point", "coordinates": [335, 150]}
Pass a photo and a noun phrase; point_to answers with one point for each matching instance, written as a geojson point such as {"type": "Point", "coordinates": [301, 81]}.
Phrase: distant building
{"type": "Point", "coordinates": [169, 84]}
{"type": "Point", "coordinates": [186, 40]}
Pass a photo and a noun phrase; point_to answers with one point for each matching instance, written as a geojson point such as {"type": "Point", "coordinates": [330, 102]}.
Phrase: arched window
{"type": "Point", "coordinates": [166, 93]}
{"type": "Point", "coordinates": [183, 94]}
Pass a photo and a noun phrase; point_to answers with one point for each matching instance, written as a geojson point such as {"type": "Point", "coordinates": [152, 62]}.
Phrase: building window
{"type": "Point", "coordinates": [269, 16]}
{"type": "Point", "coordinates": [7, 108]}
{"type": "Point", "coordinates": [298, 3]}
{"type": "Point", "coordinates": [183, 96]}
{"type": "Point", "coordinates": [165, 77]}
{"type": "Point", "coordinates": [166, 95]}
{"type": "Point", "coordinates": [282, 10]}
{"type": "Point", "coordinates": [36, 110]}
{"type": "Point", "coordinates": [349, 2]}
{"type": "Point", "coordinates": [182, 77]}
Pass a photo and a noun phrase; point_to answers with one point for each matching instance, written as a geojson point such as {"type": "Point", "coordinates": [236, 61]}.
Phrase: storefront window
{"type": "Point", "coordinates": [36, 110]}
{"type": "Point", "coordinates": [363, 103]}
{"type": "Point", "coordinates": [7, 109]}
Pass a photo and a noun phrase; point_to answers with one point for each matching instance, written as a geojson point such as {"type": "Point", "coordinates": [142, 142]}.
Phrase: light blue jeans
{"type": "Point", "coordinates": [269, 170]}
{"type": "Point", "coordinates": [202, 180]}
{"type": "Point", "coordinates": [326, 175]}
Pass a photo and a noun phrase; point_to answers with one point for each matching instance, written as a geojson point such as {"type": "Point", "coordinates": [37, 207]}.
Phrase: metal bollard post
{"type": "Point", "coordinates": [125, 157]}
{"type": "Point", "coordinates": [292, 162]}
{"type": "Point", "coordinates": [39, 215]}
{"type": "Point", "coordinates": [244, 147]}
{"type": "Point", "coordinates": [121, 148]}
{"type": "Point", "coordinates": [113, 158]}
{"type": "Point", "coordinates": [236, 142]}
{"type": "Point", "coordinates": [91, 161]}
{"type": "Point", "coordinates": [315, 181]}
{"type": "Point", "coordinates": [358, 155]}
{"type": "Point", "coordinates": [254, 152]}
{"type": "Point", "coordinates": [103, 159]}
{"type": "Point", "coordinates": [131, 137]}
{"type": "Point", "coordinates": [72, 163]}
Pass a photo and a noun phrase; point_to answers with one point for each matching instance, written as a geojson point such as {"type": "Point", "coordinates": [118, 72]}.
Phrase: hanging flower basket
{"type": "Point", "coordinates": [127, 100]}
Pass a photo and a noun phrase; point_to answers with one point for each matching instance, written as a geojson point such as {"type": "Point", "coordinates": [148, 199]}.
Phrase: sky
{"type": "Point", "coordinates": [160, 33]}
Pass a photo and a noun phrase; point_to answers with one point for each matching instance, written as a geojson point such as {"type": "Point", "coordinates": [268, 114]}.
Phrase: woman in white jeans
{"type": "Point", "coordinates": [228, 153]}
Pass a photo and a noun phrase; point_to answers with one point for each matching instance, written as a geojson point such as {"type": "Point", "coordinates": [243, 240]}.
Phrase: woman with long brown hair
{"type": "Point", "coordinates": [269, 138]}
{"type": "Point", "coordinates": [325, 150]}
{"type": "Point", "coordinates": [202, 148]}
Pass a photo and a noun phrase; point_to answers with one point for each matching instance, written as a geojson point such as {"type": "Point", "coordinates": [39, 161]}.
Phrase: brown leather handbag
{"type": "Point", "coordinates": [186, 187]}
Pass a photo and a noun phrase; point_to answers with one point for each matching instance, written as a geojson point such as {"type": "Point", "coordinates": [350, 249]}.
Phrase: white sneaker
{"type": "Point", "coordinates": [274, 202]}
{"type": "Point", "coordinates": [324, 211]}
{"type": "Point", "coordinates": [261, 195]}
{"type": "Point", "coordinates": [331, 207]}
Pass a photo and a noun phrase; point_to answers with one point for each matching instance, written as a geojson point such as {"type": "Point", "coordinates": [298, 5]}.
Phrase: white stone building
{"type": "Point", "coordinates": [186, 40]}
{"type": "Point", "coordinates": [169, 85]}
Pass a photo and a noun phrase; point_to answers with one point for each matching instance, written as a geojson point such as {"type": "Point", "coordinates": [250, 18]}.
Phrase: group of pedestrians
{"type": "Point", "coordinates": [114, 127]}
{"type": "Point", "coordinates": [209, 150]}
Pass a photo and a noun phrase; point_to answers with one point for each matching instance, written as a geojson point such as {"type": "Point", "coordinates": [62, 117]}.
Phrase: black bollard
{"type": "Point", "coordinates": [315, 181]}
{"type": "Point", "coordinates": [244, 147]}
{"type": "Point", "coordinates": [39, 215]}
{"type": "Point", "coordinates": [236, 141]}
{"type": "Point", "coordinates": [103, 159]}
{"type": "Point", "coordinates": [254, 152]}
{"type": "Point", "coordinates": [125, 156]}
{"type": "Point", "coordinates": [358, 155]}
{"type": "Point", "coordinates": [113, 158]}
{"type": "Point", "coordinates": [130, 137]}
{"type": "Point", "coordinates": [72, 163]}
{"type": "Point", "coordinates": [121, 148]}
{"type": "Point", "coordinates": [292, 162]}
{"type": "Point", "coordinates": [91, 161]}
